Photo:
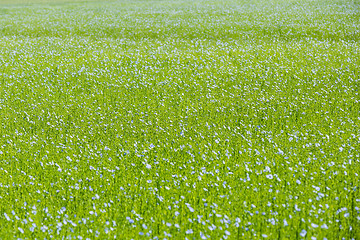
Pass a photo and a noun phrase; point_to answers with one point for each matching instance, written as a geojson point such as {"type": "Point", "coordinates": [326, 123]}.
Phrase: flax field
{"type": "Point", "coordinates": [179, 119]}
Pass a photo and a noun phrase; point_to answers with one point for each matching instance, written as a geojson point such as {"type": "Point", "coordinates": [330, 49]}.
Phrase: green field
{"type": "Point", "coordinates": [180, 119]}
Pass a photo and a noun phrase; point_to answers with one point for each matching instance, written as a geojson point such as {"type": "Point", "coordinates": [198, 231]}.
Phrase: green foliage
{"type": "Point", "coordinates": [180, 119]}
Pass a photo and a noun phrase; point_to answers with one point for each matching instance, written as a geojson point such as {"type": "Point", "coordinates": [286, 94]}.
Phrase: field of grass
{"type": "Point", "coordinates": [180, 119]}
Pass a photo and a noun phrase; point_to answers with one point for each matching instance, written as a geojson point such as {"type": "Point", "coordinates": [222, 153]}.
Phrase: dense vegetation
{"type": "Point", "coordinates": [180, 119]}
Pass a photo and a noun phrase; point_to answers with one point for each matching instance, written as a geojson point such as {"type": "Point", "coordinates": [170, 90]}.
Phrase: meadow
{"type": "Point", "coordinates": [180, 119]}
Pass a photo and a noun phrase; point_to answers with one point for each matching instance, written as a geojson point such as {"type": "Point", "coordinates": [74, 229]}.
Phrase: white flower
{"type": "Point", "coordinates": [314, 225]}
{"type": "Point", "coordinates": [285, 223]}
{"type": "Point", "coordinates": [303, 233]}
{"type": "Point", "coordinates": [130, 220]}
{"type": "Point", "coordinates": [190, 208]}
{"type": "Point", "coordinates": [7, 217]}
{"type": "Point", "coordinates": [202, 235]}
